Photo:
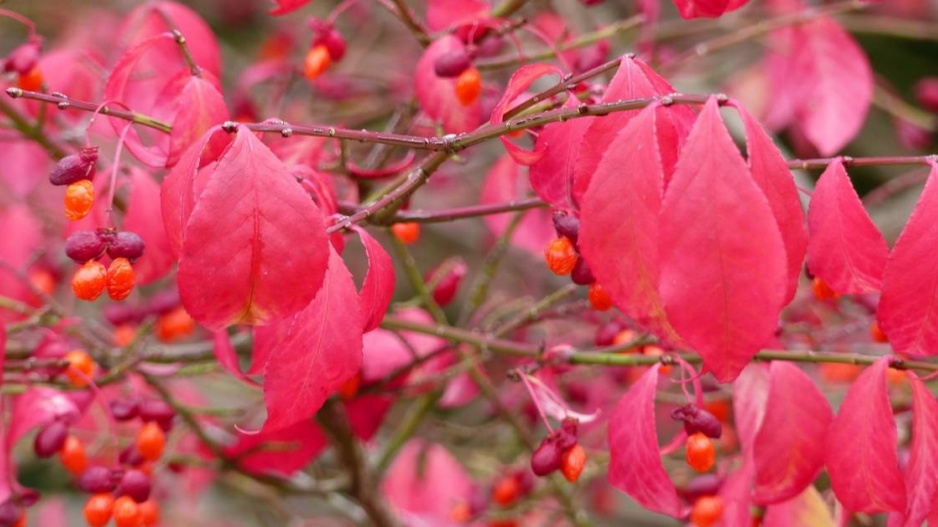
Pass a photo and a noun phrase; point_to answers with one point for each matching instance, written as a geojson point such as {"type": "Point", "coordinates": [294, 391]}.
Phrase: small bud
{"type": "Point", "coordinates": [697, 419]}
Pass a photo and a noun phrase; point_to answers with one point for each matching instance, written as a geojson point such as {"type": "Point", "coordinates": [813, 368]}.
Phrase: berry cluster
{"type": "Point", "coordinates": [92, 278]}
{"type": "Point", "coordinates": [23, 62]}
{"type": "Point", "coordinates": [560, 451]}
{"type": "Point", "coordinates": [507, 491]}
{"type": "Point", "coordinates": [327, 47]}
{"type": "Point", "coordinates": [457, 64]}
{"type": "Point", "coordinates": [562, 255]}
{"type": "Point", "coordinates": [700, 426]}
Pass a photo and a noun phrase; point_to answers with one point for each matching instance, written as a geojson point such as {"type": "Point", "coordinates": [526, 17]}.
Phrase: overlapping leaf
{"type": "Point", "coordinates": [921, 476]}
{"type": "Point", "coordinates": [845, 249]}
{"type": "Point", "coordinates": [378, 287]}
{"type": "Point", "coordinates": [505, 182]}
{"type": "Point", "coordinates": [443, 14]}
{"type": "Point", "coordinates": [805, 509]}
{"type": "Point", "coordinates": [861, 447]}
{"type": "Point", "coordinates": [286, 6]}
{"type": "Point", "coordinates": [424, 483]}
{"type": "Point", "coordinates": [908, 309]}
{"type": "Point", "coordinates": [144, 217]}
{"type": "Point", "coordinates": [281, 452]}
{"type": "Point", "coordinates": [723, 268]}
{"type": "Point", "coordinates": [520, 81]}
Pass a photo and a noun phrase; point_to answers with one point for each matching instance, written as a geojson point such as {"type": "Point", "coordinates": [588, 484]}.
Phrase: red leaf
{"type": "Point", "coordinates": [771, 173]}
{"type": "Point", "coordinates": [619, 219]}
{"type": "Point", "coordinates": [21, 240]}
{"type": "Point", "coordinates": [310, 354]}
{"type": "Point", "coordinates": [197, 105]}
{"type": "Point", "coordinates": [808, 508]}
{"type": "Point", "coordinates": [861, 447]}
{"type": "Point", "coordinates": [520, 81]}
{"type": "Point", "coordinates": [786, 451]}
{"type": "Point", "coordinates": [144, 218]}
{"type": "Point", "coordinates": [228, 357]}
{"type": "Point", "coordinates": [241, 259]}
{"type": "Point", "coordinates": [921, 476]}
{"type": "Point", "coordinates": [750, 396]}
{"type": "Point", "coordinates": [907, 311]}
{"type": "Point", "coordinates": [845, 249]}
{"type": "Point", "coordinates": [635, 465]}
{"type": "Point", "coordinates": [437, 96]}
{"type": "Point", "coordinates": [378, 287]}
{"type": "Point", "coordinates": [723, 277]}
{"type": "Point", "coordinates": [286, 6]}
{"type": "Point", "coordinates": [443, 14]}
{"type": "Point", "coordinates": [552, 173]}
{"type": "Point", "coordinates": [424, 483]}
{"type": "Point", "coordinates": [281, 452]}
{"type": "Point", "coordinates": [707, 8]}
{"type": "Point", "coordinates": [151, 18]}
{"type": "Point", "coordinates": [504, 182]}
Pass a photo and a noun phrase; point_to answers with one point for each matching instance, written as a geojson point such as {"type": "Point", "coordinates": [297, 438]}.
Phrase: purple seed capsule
{"type": "Point", "coordinates": [97, 479]}
{"type": "Point", "coordinates": [75, 167]}
{"type": "Point", "coordinates": [124, 409]}
{"type": "Point", "coordinates": [126, 244]}
{"type": "Point", "coordinates": [547, 458]}
{"type": "Point", "coordinates": [83, 246]}
{"type": "Point", "coordinates": [135, 484]}
{"type": "Point", "coordinates": [581, 274]}
{"type": "Point", "coordinates": [156, 410]}
{"type": "Point", "coordinates": [566, 225]}
{"type": "Point", "coordinates": [50, 439]}
{"type": "Point", "coordinates": [24, 57]}
{"type": "Point", "coordinates": [452, 63]}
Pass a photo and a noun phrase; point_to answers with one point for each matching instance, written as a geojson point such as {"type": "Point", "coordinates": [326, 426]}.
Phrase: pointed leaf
{"type": "Point", "coordinates": [378, 287]}
{"type": "Point", "coordinates": [437, 96]}
{"type": "Point", "coordinates": [787, 454]}
{"type": "Point", "coordinates": [635, 465]}
{"type": "Point", "coordinates": [151, 18]}
{"type": "Point", "coordinates": [707, 8]}
{"type": "Point", "coordinates": [255, 244]}
{"type": "Point", "coordinates": [424, 483]}
{"type": "Point", "coordinates": [144, 217]}
{"type": "Point", "coordinates": [198, 106]}
{"type": "Point", "coordinates": [845, 249]}
{"type": "Point", "coordinates": [21, 241]}
{"type": "Point", "coordinates": [520, 81]}
{"type": "Point", "coordinates": [552, 173]}
{"type": "Point", "coordinates": [750, 397]}
{"type": "Point", "coordinates": [286, 6]}
{"type": "Point", "coordinates": [861, 447]}
{"type": "Point", "coordinates": [921, 476]}
{"type": "Point", "coordinates": [311, 353]}
{"type": "Point", "coordinates": [443, 14]}
{"type": "Point", "coordinates": [723, 277]}
{"type": "Point", "coordinates": [908, 309]}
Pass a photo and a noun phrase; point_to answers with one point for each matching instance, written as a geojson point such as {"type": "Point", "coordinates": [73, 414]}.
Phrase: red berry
{"type": "Point", "coordinates": [126, 244]}
{"type": "Point", "coordinates": [124, 334]}
{"type": "Point", "coordinates": [316, 61]}
{"type": "Point", "coordinates": [707, 511]}
{"type": "Point", "coordinates": [877, 334]}
{"type": "Point", "coordinates": [89, 280]}
{"type": "Point", "coordinates": [700, 453]}
{"type": "Point", "coordinates": [506, 490]}
{"type": "Point", "coordinates": [446, 286]}
{"type": "Point", "coordinates": [149, 513]}
{"type": "Point", "coordinates": [82, 246]}
{"type": "Point", "coordinates": [50, 439]}
{"type": "Point", "coordinates": [98, 509]}
{"type": "Point", "coordinates": [822, 291]}
{"type": "Point", "coordinates": [135, 484]}
{"type": "Point", "coordinates": [72, 455]}
{"type": "Point", "coordinates": [24, 57]}
{"type": "Point", "coordinates": [126, 512]}
{"type": "Point", "coordinates": [407, 233]}
{"type": "Point", "coordinates": [31, 80]}
{"type": "Point", "coordinates": [120, 279]}
{"type": "Point", "coordinates": [150, 441]}
{"type": "Point", "coordinates": [75, 167]}
{"type": "Point", "coordinates": [599, 298]}
{"type": "Point", "coordinates": [560, 255]}
{"type": "Point", "coordinates": [926, 91]}
{"type": "Point", "coordinates": [624, 337]}
{"type": "Point", "coordinates": [81, 368]}
{"type": "Point", "coordinates": [573, 462]}
{"type": "Point", "coordinates": [333, 42]}
{"type": "Point", "coordinates": [468, 86]}
{"type": "Point", "coordinates": [79, 197]}
{"type": "Point", "coordinates": [174, 325]}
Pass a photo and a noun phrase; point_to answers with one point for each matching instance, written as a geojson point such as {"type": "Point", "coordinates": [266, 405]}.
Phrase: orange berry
{"type": "Point", "coordinates": [120, 279]}
{"type": "Point", "coordinates": [98, 509]}
{"type": "Point", "coordinates": [599, 298]}
{"type": "Point", "coordinates": [460, 513]}
{"type": "Point", "coordinates": [89, 280]}
{"type": "Point", "coordinates": [72, 455]}
{"type": "Point", "coordinates": [349, 388]}
{"type": "Point", "coordinates": [700, 452]}
{"type": "Point", "coordinates": [174, 325]}
{"type": "Point", "coordinates": [127, 512]}
{"type": "Point", "coordinates": [656, 351]}
{"type": "Point", "coordinates": [124, 334]}
{"type": "Point", "coordinates": [79, 197]}
{"type": "Point", "coordinates": [707, 511]}
{"type": "Point", "coordinates": [877, 334]}
{"type": "Point", "coordinates": [506, 490]}
{"type": "Point", "coordinates": [839, 372]}
{"type": "Point", "coordinates": [624, 337]}
{"type": "Point", "coordinates": [150, 441]}
{"type": "Point", "coordinates": [31, 80]}
{"type": "Point", "coordinates": [149, 512]}
{"type": "Point", "coordinates": [316, 61]}
{"type": "Point", "coordinates": [42, 280]}
{"type": "Point", "coordinates": [822, 291]}
{"type": "Point", "coordinates": [573, 462]}
{"type": "Point", "coordinates": [896, 377]}
{"type": "Point", "coordinates": [468, 86]}
{"type": "Point", "coordinates": [720, 408]}
{"type": "Point", "coordinates": [22, 521]}
{"type": "Point", "coordinates": [560, 255]}
{"type": "Point", "coordinates": [80, 369]}
{"type": "Point", "coordinates": [407, 233]}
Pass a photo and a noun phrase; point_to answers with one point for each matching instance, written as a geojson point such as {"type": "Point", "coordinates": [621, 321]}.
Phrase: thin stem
{"type": "Point", "coordinates": [30, 26]}
{"type": "Point", "coordinates": [186, 53]}
{"type": "Point", "coordinates": [403, 12]}
{"type": "Point", "coordinates": [23, 126]}
{"type": "Point", "coordinates": [114, 168]}
{"type": "Point", "coordinates": [63, 103]}
{"type": "Point", "coordinates": [457, 213]}
{"type": "Point", "coordinates": [821, 163]}
{"type": "Point", "coordinates": [409, 424]}
{"type": "Point", "coordinates": [480, 288]}
{"type": "Point", "coordinates": [416, 280]}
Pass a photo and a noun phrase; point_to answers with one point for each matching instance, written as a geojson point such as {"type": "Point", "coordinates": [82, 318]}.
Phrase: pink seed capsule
{"type": "Point", "coordinates": [453, 63]}
{"type": "Point", "coordinates": [75, 167]}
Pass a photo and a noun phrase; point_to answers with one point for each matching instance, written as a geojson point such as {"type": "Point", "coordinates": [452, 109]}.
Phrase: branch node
{"type": "Point", "coordinates": [14, 93]}
{"type": "Point", "coordinates": [667, 100]}
{"type": "Point", "coordinates": [721, 98]}
{"type": "Point", "coordinates": [286, 132]}
{"type": "Point", "coordinates": [178, 36]}
{"type": "Point", "coordinates": [229, 126]}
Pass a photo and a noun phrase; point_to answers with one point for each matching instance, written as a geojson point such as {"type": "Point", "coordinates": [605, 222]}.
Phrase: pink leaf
{"type": "Point", "coordinates": [151, 18]}
{"type": "Point", "coordinates": [38, 406]}
{"type": "Point", "coordinates": [443, 14]}
{"type": "Point", "coordinates": [845, 249]}
{"type": "Point", "coordinates": [552, 173]}
{"type": "Point", "coordinates": [198, 106]}
{"type": "Point", "coordinates": [908, 309]}
{"type": "Point", "coordinates": [437, 96]}
{"type": "Point", "coordinates": [771, 173]}
{"type": "Point", "coordinates": [750, 397]}
{"type": "Point", "coordinates": [21, 241]}
{"type": "Point", "coordinates": [504, 182]}
{"type": "Point", "coordinates": [635, 465]}
{"type": "Point", "coordinates": [921, 477]}
{"type": "Point", "coordinates": [707, 8]}
{"type": "Point", "coordinates": [424, 483]}
{"type": "Point", "coordinates": [723, 277]}
{"type": "Point", "coordinates": [378, 287]}
{"type": "Point", "coordinates": [228, 357]}
{"type": "Point", "coordinates": [280, 452]}
{"type": "Point", "coordinates": [286, 6]}
{"type": "Point", "coordinates": [144, 217]}
{"type": "Point", "coordinates": [255, 244]}
{"type": "Point", "coordinates": [311, 353]}
{"type": "Point", "coordinates": [786, 451]}
{"type": "Point", "coordinates": [861, 447]}
{"type": "Point", "coordinates": [806, 509]}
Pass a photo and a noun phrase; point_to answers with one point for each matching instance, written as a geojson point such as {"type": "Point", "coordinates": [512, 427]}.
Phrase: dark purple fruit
{"type": "Point", "coordinates": [547, 458]}
{"type": "Point", "coordinates": [705, 485]}
{"type": "Point", "coordinates": [135, 484]}
{"type": "Point", "coordinates": [124, 409]}
{"type": "Point", "coordinates": [83, 246]}
{"type": "Point", "coordinates": [131, 456]}
{"type": "Point", "coordinates": [10, 513]}
{"type": "Point", "coordinates": [581, 274]}
{"type": "Point", "coordinates": [50, 439]}
{"type": "Point", "coordinates": [126, 244]}
{"type": "Point", "coordinates": [606, 334]}
{"type": "Point", "coordinates": [566, 225]}
{"type": "Point", "coordinates": [96, 479]}
{"type": "Point", "coordinates": [75, 167]}
{"type": "Point", "coordinates": [448, 285]}
{"type": "Point", "coordinates": [156, 410]}
{"type": "Point", "coordinates": [697, 419]}
{"type": "Point", "coordinates": [452, 63]}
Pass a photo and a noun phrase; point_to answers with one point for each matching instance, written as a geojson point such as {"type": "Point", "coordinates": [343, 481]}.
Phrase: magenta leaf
{"type": "Point", "coordinates": [286, 6]}
{"type": "Point", "coordinates": [504, 182]}
{"type": "Point", "coordinates": [635, 465]}
{"type": "Point", "coordinates": [807, 508]}
{"type": "Point", "coordinates": [228, 357]}
{"type": "Point", "coordinates": [36, 407]}
{"type": "Point", "coordinates": [921, 476]}
{"type": "Point", "coordinates": [197, 105]}
{"type": "Point", "coordinates": [241, 259]}
{"type": "Point", "coordinates": [552, 172]}
{"type": "Point", "coordinates": [787, 454]}
{"type": "Point", "coordinates": [707, 8]}
{"type": "Point", "coordinates": [845, 249]}
{"type": "Point", "coordinates": [443, 14]}
{"type": "Point", "coordinates": [771, 173]}
{"type": "Point", "coordinates": [378, 287]}
{"type": "Point", "coordinates": [151, 18]}
{"type": "Point", "coordinates": [424, 483]}
{"type": "Point", "coordinates": [723, 272]}
{"type": "Point", "coordinates": [735, 492]}
{"type": "Point", "coordinates": [908, 309]}
{"type": "Point", "coordinates": [144, 217]}
{"type": "Point", "coordinates": [280, 452]}
{"type": "Point", "coordinates": [520, 81]}
{"type": "Point", "coordinates": [437, 96]}
{"type": "Point", "coordinates": [750, 396]}
{"type": "Point", "coordinates": [310, 354]}
{"type": "Point", "coordinates": [861, 447]}
{"type": "Point", "coordinates": [22, 240]}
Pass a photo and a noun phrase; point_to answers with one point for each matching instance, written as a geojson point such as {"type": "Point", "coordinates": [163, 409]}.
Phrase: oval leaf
{"type": "Point", "coordinates": [378, 287]}
{"type": "Point", "coordinates": [921, 477]}
{"type": "Point", "coordinates": [144, 217]}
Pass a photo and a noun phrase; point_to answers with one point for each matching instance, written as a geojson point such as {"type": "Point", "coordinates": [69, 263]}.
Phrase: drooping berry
{"type": "Point", "coordinates": [707, 511]}
{"type": "Point", "coordinates": [89, 280]}
{"type": "Point", "coordinates": [445, 286]}
{"type": "Point", "coordinates": [349, 388]}
{"type": "Point", "coordinates": [79, 197]}
{"type": "Point", "coordinates": [81, 368]}
{"type": "Point", "coordinates": [120, 279]}
{"type": "Point", "coordinates": [31, 80]}
{"type": "Point", "coordinates": [75, 167]}
{"type": "Point", "coordinates": [468, 86]}
{"type": "Point", "coordinates": [452, 63]}
{"type": "Point", "coordinates": [581, 274]}
{"type": "Point", "coordinates": [124, 409]}
{"type": "Point", "coordinates": [149, 513]}
{"type": "Point", "coordinates": [573, 462]}
{"type": "Point", "coordinates": [126, 512]}
{"type": "Point", "coordinates": [135, 484]}
{"type": "Point", "coordinates": [42, 279]}
{"type": "Point", "coordinates": [156, 410]}
{"type": "Point", "coordinates": [506, 490]}
{"type": "Point", "coordinates": [124, 334]}
{"type": "Point", "coordinates": [126, 244]}
{"type": "Point", "coordinates": [151, 440]}
{"type": "Point", "coordinates": [72, 455]}
{"type": "Point", "coordinates": [98, 509]}
{"type": "Point", "coordinates": [50, 439]}
{"type": "Point", "coordinates": [547, 458]}
{"type": "Point", "coordinates": [700, 452]}
{"type": "Point", "coordinates": [174, 325]}
{"type": "Point", "coordinates": [566, 225]}
{"type": "Point", "coordinates": [97, 479]}
{"type": "Point", "coordinates": [599, 298]}
{"type": "Point", "coordinates": [697, 419]}
{"type": "Point", "coordinates": [333, 41]}
{"type": "Point", "coordinates": [560, 256]}
{"type": "Point", "coordinates": [703, 485]}
{"type": "Point", "coordinates": [926, 91]}
{"type": "Point", "coordinates": [317, 60]}
{"type": "Point", "coordinates": [82, 246]}
{"type": "Point", "coordinates": [407, 232]}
